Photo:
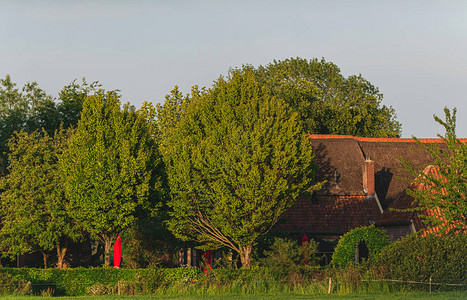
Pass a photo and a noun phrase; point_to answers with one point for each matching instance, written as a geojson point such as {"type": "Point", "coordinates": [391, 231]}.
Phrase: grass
{"type": "Point", "coordinates": [435, 295]}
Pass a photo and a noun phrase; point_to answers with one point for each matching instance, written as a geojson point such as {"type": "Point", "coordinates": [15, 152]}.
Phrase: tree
{"type": "Point", "coordinates": [23, 110]}
{"type": "Point", "coordinates": [326, 101]}
{"type": "Point", "coordinates": [71, 99]}
{"type": "Point", "coordinates": [236, 160]}
{"type": "Point", "coordinates": [170, 112]}
{"type": "Point", "coordinates": [112, 169]}
{"type": "Point", "coordinates": [33, 204]}
{"type": "Point", "coordinates": [441, 198]}
{"type": "Point", "coordinates": [31, 109]}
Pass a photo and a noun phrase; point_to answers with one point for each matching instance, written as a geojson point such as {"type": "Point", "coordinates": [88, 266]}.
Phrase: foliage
{"type": "Point", "coordinates": [23, 110]}
{"type": "Point", "coordinates": [419, 258]}
{"type": "Point", "coordinates": [31, 109]}
{"type": "Point", "coordinates": [11, 285]}
{"type": "Point", "coordinates": [326, 101]}
{"type": "Point", "coordinates": [442, 200]}
{"type": "Point", "coordinates": [184, 282]}
{"type": "Point", "coordinates": [77, 281]}
{"type": "Point", "coordinates": [237, 159]}
{"type": "Point", "coordinates": [375, 240]}
{"type": "Point", "coordinates": [33, 204]}
{"type": "Point", "coordinates": [286, 255]}
{"type": "Point", "coordinates": [112, 168]}
{"type": "Point", "coordinates": [171, 111]}
{"type": "Point", "coordinates": [71, 99]}
{"type": "Point", "coordinates": [148, 243]}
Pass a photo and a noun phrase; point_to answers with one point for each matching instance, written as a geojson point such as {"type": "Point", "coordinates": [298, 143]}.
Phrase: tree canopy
{"type": "Point", "coordinates": [22, 110]}
{"type": "Point", "coordinates": [326, 101]}
{"type": "Point", "coordinates": [31, 109]}
{"type": "Point", "coordinates": [442, 200]}
{"type": "Point", "coordinates": [33, 204]}
{"type": "Point", "coordinates": [236, 160]}
{"type": "Point", "coordinates": [111, 169]}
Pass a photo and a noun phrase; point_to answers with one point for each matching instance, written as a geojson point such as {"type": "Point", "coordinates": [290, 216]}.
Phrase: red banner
{"type": "Point", "coordinates": [118, 252]}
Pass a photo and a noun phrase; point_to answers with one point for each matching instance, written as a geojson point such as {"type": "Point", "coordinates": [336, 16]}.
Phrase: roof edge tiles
{"type": "Point", "coordinates": [387, 140]}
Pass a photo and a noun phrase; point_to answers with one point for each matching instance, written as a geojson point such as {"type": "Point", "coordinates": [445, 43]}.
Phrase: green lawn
{"type": "Point", "coordinates": [435, 295]}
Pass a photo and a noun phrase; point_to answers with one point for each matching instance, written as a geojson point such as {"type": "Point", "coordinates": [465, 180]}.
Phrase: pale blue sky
{"type": "Point", "coordinates": [414, 51]}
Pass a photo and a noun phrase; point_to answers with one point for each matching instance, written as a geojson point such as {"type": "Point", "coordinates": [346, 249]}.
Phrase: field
{"type": "Point", "coordinates": [438, 295]}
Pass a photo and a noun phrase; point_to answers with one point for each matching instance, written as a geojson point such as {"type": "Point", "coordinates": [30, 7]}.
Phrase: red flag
{"type": "Point", "coordinates": [117, 252]}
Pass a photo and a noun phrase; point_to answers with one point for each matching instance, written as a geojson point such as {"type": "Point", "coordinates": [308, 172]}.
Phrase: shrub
{"type": "Point", "coordinates": [419, 258]}
{"type": "Point", "coordinates": [285, 253]}
{"type": "Point", "coordinates": [79, 281]}
{"type": "Point", "coordinates": [289, 261]}
{"type": "Point", "coordinates": [375, 240]}
{"type": "Point", "coordinates": [11, 285]}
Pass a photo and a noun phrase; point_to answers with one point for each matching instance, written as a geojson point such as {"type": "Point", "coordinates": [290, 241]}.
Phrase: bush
{"type": "Point", "coordinates": [375, 240]}
{"type": "Point", "coordinates": [11, 285]}
{"type": "Point", "coordinates": [80, 281]}
{"type": "Point", "coordinates": [290, 262]}
{"type": "Point", "coordinates": [419, 258]}
{"type": "Point", "coordinates": [285, 253]}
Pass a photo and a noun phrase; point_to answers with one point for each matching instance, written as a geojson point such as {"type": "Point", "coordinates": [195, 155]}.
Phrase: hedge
{"type": "Point", "coordinates": [419, 258]}
{"type": "Point", "coordinates": [79, 281]}
{"type": "Point", "coordinates": [375, 239]}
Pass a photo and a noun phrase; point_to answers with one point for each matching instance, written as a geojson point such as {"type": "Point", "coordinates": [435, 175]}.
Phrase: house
{"type": "Point", "coordinates": [364, 178]}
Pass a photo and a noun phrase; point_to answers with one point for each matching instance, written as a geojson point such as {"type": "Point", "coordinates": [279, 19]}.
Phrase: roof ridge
{"type": "Point", "coordinates": [386, 140]}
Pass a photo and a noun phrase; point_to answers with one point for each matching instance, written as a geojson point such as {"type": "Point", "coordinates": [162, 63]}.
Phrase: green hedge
{"type": "Point", "coordinates": [79, 281]}
{"type": "Point", "coordinates": [418, 258]}
{"type": "Point", "coordinates": [375, 239]}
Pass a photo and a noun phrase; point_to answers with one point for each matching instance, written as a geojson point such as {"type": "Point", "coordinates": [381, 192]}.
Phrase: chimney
{"type": "Point", "coordinates": [369, 176]}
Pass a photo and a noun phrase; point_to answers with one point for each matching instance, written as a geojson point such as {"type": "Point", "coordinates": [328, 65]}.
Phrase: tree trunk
{"type": "Point", "coordinates": [61, 251]}
{"type": "Point", "coordinates": [107, 247]}
{"type": "Point", "coordinates": [44, 259]}
{"type": "Point", "coordinates": [245, 256]}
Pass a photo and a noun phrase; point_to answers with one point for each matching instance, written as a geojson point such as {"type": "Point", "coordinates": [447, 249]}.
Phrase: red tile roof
{"type": "Point", "coordinates": [380, 140]}
{"type": "Point", "coordinates": [329, 215]}
{"type": "Point", "coordinates": [342, 156]}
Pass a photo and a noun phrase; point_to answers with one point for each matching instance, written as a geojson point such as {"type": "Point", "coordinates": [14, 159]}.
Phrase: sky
{"type": "Point", "coordinates": [415, 52]}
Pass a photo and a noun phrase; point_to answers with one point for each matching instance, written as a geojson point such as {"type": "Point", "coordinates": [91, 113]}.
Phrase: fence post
{"type": "Point", "coordinates": [329, 288]}
{"type": "Point", "coordinates": [430, 284]}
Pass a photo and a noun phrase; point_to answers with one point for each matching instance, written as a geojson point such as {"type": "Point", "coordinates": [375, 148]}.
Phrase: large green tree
{"type": "Point", "coordinates": [326, 101]}
{"type": "Point", "coordinates": [441, 198]}
{"type": "Point", "coordinates": [112, 168]}
{"type": "Point", "coordinates": [33, 204]}
{"type": "Point", "coordinates": [236, 160]}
